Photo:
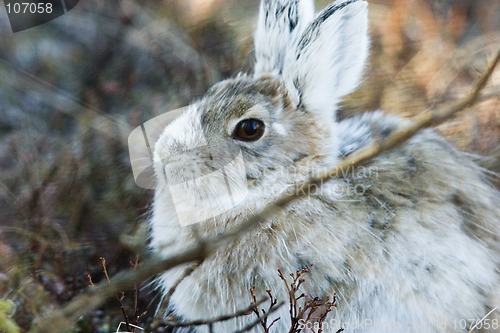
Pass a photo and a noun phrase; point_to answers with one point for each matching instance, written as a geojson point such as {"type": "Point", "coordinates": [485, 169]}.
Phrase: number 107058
{"type": "Point", "coordinates": [29, 8]}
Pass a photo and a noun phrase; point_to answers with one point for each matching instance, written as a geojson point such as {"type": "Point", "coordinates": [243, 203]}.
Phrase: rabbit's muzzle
{"type": "Point", "coordinates": [195, 163]}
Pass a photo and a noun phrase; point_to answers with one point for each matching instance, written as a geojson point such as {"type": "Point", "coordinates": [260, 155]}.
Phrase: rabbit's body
{"type": "Point", "coordinates": [409, 241]}
{"type": "Point", "coordinates": [399, 240]}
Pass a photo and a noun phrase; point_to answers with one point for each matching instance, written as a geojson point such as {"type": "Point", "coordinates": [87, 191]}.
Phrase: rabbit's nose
{"type": "Point", "coordinates": [215, 154]}
{"type": "Point", "coordinates": [199, 161]}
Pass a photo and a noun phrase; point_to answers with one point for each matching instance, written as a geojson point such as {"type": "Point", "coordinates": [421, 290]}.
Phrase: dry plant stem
{"type": "Point", "coordinates": [329, 305]}
{"type": "Point", "coordinates": [258, 321]}
{"type": "Point", "coordinates": [263, 318]}
{"type": "Point", "coordinates": [311, 306]}
{"type": "Point", "coordinates": [89, 279]}
{"type": "Point", "coordinates": [292, 289]}
{"type": "Point", "coordinates": [239, 313]}
{"type": "Point", "coordinates": [166, 300]}
{"type": "Point", "coordinates": [60, 320]}
{"type": "Point", "coordinates": [119, 298]}
{"type": "Point", "coordinates": [137, 315]}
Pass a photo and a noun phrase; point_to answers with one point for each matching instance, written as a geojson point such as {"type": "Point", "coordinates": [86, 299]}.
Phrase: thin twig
{"type": "Point", "coordinates": [259, 320]}
{"type": "Point", "coordinates": [120, 297]}
{"type": "Point", "coordinates": [243, 312]}
{"type": "Point", "coordinates": [263, 318]}
{"type": "Point", "coordinates": [165, 302]}
{"type": "Point", "coordinates": [89, 279]}
{"type": "Point", "coordinates": [482, 319]}
{"type": "Point", "coordinates": [137, 316]}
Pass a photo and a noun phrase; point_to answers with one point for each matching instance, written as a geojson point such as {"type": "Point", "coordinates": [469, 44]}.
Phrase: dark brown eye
{"type": "Point", "coordinates": [249, 130]}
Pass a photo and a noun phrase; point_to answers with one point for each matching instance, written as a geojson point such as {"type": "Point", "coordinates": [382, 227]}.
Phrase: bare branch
{"type": "Point", "coordinates": [258, 321]}
{"type": "Point", "coordinates": [165, 302]}
{"type": "Point", "coordinates": [273, 303]}
{"type": "Point", "coordinates": [243, 312]}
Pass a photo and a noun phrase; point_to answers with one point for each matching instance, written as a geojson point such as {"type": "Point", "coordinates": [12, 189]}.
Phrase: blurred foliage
{"type": "Point", "coordinates": [72, 90]}
{"type": "Point", "coordinates": [7, 309]}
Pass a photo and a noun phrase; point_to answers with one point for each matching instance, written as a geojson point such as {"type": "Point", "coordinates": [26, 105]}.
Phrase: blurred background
{"type": "Point", "coordinates": [72, 90]}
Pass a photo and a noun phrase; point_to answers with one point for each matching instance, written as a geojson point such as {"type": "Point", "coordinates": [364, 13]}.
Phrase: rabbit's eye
{"type": "Point", "coordinates": [249, 130]}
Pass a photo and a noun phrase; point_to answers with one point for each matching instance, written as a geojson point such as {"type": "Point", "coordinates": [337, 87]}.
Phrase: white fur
{"type": "Point", "coordinates": [331, 64]}
{"type": "Point", "coordinates": [273, 36]}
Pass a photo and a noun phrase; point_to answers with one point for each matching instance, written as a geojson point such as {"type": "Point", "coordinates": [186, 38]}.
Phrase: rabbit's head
{"type": "Point", "coordinates": [281, 114]}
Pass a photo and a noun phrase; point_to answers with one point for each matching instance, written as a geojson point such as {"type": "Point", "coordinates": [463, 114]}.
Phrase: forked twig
{"type": "Point", "coordinates": [258, 321]}
{"type": "Point", "coordinates": [262, 318]}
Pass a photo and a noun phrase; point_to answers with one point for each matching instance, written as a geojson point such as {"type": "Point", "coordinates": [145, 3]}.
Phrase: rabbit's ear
{"type": "Point", "coordinates": [328, 60]}
{"type": "Point", "coordinates": [281, 23]}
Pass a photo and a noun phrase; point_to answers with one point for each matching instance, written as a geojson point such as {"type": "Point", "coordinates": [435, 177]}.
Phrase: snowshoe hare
{"type": "Point", "coordinates": [408, 242]}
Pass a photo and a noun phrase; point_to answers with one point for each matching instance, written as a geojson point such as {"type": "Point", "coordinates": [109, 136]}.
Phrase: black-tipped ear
{"type": "Point", "coordinates": [328, 60]}
{"type": "Point", "coordinates": [281, 23]}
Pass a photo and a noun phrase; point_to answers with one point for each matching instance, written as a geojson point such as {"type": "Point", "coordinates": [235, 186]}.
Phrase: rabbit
{"type": "Point", "coordinates": [408, 242]}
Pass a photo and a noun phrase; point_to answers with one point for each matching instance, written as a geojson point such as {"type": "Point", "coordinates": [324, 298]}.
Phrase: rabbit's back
{"type": "Point", "coordinates": [428, 234]}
